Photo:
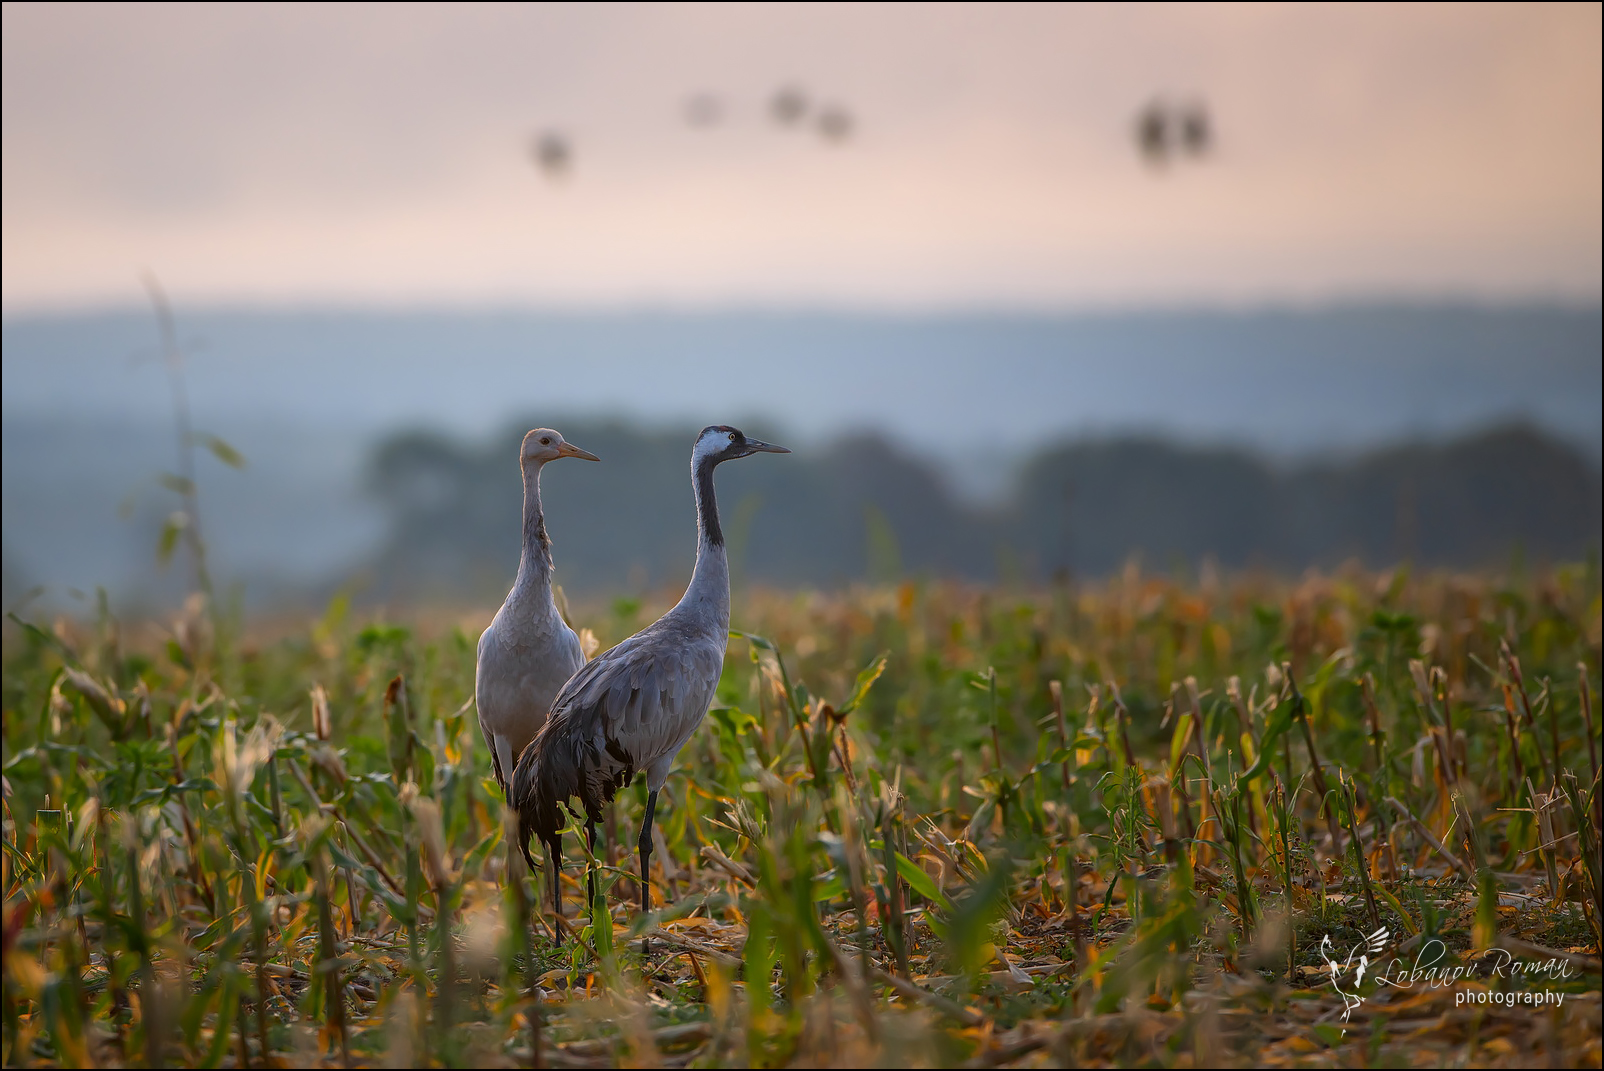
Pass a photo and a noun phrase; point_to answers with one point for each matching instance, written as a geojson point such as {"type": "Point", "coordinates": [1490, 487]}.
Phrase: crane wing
{"type": "Point", "coordinates": [633, 706]}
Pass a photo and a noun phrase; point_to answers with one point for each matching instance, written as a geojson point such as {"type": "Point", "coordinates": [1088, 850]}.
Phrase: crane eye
{"type": "Point", "coordinates": [545, 442]}
{"type": "Point", "coordinates": [732, 436]}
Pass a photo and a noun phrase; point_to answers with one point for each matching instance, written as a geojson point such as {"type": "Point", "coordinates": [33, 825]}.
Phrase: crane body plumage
{"type": "Point", "coordinates": [633, 707]}
{"type": "Point", "coordinates": [528, 652]}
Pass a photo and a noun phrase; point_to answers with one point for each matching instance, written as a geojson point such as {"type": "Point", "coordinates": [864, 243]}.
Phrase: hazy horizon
{"type": "Point", "coordinates": [307, 397]}
{"type": "Point", "coordinates": [1366, 373]}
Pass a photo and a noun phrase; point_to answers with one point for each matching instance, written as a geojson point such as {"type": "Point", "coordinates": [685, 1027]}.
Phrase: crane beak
{"type": "Point", "coordinates": [570, 450]}
{"type": "Point", "coordinates": [758, 446]}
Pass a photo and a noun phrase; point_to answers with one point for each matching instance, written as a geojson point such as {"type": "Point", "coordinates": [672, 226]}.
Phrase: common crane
{"type": "Point", "coordinates": [528, 652]}
{"type": "Point", "coordinates": [634, 707]}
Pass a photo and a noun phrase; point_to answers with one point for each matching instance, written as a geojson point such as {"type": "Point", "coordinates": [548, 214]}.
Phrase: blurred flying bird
{"type": "Point", "coordinates": [1195, 132]}
{"type": "Point", "coordinates": [1152, 133]}
{"type": "Point", "coordinates": [835, 123]}
{"type": "Point", "coordinates": [528, 652]}
{"type": "Point", "coordinates": [788, 105]}
{"type": "Point", "coordinates": [553, 154]}
{"type": "Point", "coordinates": [634, 707]}
{"type": "Point", "coordinates": [1163, 129]}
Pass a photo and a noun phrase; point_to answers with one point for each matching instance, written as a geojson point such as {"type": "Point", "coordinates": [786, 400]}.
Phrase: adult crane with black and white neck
{"type": "Point", "coordinates": [635, 706]}
{"type": "Point", "coordinates": [528, 652]}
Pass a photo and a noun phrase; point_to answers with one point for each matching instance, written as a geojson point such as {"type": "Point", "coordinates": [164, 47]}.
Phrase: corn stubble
{"type": "Point", "coordinates": [923, 825]}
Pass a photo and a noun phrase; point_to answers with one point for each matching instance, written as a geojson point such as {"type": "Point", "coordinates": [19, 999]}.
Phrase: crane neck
{"type": "Point", "coordinates": [534, 562]}
{"type": "Point", "coordinates": [707, 526]}
{"type": "Point", "coordinates": [709, 589]}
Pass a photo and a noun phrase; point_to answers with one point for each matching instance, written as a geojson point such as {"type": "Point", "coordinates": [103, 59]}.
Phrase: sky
{"type": "Point", "coordinates": [382, 156]}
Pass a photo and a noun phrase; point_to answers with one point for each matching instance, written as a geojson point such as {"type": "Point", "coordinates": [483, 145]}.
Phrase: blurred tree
{"type": "Point", "coordinates": [833, 513]}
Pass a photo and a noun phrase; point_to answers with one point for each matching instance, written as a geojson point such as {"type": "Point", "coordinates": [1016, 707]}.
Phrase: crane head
{"type": "Point", "coordinates": [544, 444]}
{"type": "Point", "coordinates": [720, 442]}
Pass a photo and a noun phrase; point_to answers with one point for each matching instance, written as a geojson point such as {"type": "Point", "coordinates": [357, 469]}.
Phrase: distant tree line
{"type": "Point", "coordinates": [863, 508]}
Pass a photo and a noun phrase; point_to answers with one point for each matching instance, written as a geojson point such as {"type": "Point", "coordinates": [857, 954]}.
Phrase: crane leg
{"type": "Point", "coordinates": [553, 855]}
{"type": "Point", "coordinates": [645, 864]}
{"type": "Point", "coordinates": [646, 851]}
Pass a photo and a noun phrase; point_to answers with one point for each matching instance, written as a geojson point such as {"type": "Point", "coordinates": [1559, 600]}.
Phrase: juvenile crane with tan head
{"type": "Point", "coordinates": [528, 652]}
{"type": "Point", "coordinates": [634, 707]}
